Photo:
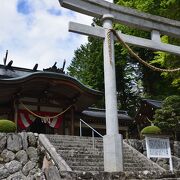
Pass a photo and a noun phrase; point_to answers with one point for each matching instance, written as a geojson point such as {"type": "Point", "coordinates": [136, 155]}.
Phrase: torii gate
{"type": "Point", "coordinates": [109, 12]}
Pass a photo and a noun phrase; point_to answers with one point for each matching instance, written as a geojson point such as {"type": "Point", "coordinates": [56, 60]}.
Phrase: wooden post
{"type": "Point", "coordinates": [16, 114]}
{"type": "Point", "coordinates": [127, 134]}
{"type": "Point", "coordinates": [72, 121]}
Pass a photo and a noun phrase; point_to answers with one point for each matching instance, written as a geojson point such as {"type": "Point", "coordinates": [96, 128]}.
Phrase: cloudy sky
{"type": "Point", "coordinates": [36, 31]}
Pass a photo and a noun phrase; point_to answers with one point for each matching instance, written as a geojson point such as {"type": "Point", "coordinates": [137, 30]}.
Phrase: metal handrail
{"type": "Point", "coordinates": [93, 131]}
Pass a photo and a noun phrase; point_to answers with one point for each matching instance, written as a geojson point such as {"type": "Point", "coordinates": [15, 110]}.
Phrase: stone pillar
{"type": "Point", "coordinates": [113, 159]}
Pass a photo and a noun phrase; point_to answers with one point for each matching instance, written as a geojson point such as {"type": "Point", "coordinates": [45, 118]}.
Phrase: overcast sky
{"type": "Point", "coordinates": [36, 31]}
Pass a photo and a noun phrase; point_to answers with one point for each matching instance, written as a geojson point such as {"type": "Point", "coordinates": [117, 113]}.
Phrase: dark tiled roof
{"type": "Point", "coordinates": [101, 114]}
{"type": "Point", "coordinates": [61, 87]}
{"type": "Point", "coordinates": [154, 103]}
{"type": "Point", "coordinates": [147, 110]}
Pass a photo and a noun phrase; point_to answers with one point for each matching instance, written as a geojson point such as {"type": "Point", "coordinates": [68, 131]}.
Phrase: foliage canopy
{"type": "Point", "coordinates": [168, 117]}
{"type": "Point", "coordinates": [133, 80]}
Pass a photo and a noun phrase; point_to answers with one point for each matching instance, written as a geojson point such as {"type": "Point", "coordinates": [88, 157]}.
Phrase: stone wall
{"type": "Point", "coordinates": [53, 174]}
{"type": "Point", "coordinates": [24, 157]}
{"type": "Point", "coordinates": [140, 145]}
{"type": "Point", "coordinates": [20, 157]}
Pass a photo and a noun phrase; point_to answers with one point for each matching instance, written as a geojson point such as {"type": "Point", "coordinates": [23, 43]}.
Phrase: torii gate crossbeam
{"type": "Point", "coordinates": [109, 12]}
{"type": "Point", "coordinates": [124, 15]}
{"type": "Point", "coordinates": [154, 43]}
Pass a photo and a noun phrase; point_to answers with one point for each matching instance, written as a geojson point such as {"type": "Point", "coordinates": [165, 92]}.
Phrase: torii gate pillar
{"type": "Point", "coordinates": [112, 141]}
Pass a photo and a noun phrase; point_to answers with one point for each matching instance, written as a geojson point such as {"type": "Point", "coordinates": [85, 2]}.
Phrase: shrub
{"type": "Point", "coordinates": [151, 130]}
{"type": "Point", "coordinates": [7, 126]}
{"type": "Point", "coordinates": [168, 117]}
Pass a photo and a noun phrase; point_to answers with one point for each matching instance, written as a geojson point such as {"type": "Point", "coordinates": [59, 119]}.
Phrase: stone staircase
{"type": "Point", "coordinates": [79, 154]}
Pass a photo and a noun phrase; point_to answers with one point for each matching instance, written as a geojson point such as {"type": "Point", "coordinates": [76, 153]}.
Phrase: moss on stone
{"type": "Point", "coordinates": [7, 126]}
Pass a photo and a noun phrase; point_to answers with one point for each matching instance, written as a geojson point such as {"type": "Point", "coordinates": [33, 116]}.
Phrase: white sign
{"type": "Point", "coordinates": [158, 148]}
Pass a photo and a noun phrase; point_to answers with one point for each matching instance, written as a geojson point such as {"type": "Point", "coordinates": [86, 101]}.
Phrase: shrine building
{"type": "Point", "coordinates": [51, 102]}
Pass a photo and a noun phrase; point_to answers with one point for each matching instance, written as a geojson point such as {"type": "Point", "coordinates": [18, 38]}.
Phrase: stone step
{"type": "Point", "coordinates": [72, 138]}
{"type": "Point", "coordinates": [77, 140]}
{"type": "Point", "coordinates": [79, 151]}
{"type": "Point", "coordinates": [86, 148]}
{"type": "Point", "coordinates": [100, 163]}
{"type": "Point", "coordinates": [85, 159]}
{"type": "Point", "coordinates": [95, 161]}
{"type": "Point", "coordinates": [135, 169]}
{"type": "Point", "coordinates": [128, 153]}
{"type": "Point", "coordinates": [86, 145]}
{"type": "Point", "coordinates": [72, 152]}
{"type": "Point", "coordinates": [85, 163]}
{"type": "Point", "coordinates": [93, 172]}
{"type": "Point", "coordinates": [87, 168]}
{"type": "Point", "coordinates": [78, 146]}
{"type": "Point", "coordinates": [126, 163]}
{"type": "Point", "coordinates": [139, 165]}
{"type": "Point", "coordinates": [79, 154]}
{"type": "Point", "coordinates": [61, 144]}
{"type": "Point", "coordinates": [68, 145]}
{"type": "Point", "coordinates": [134, 161]}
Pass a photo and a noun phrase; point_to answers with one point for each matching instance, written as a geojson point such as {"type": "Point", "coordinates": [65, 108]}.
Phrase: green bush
{"type": "Point", "coordinates": [168, 117]}
{"type": "Point", "coordinates": [151, 130]}
{"type": "Point", "coordinates": [7, 126]}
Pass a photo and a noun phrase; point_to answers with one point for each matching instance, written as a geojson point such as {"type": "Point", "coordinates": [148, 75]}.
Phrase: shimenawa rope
{"type": "Point", "coordinates": [134, 54]}
{"type": "Point", "coordinates": [43, 117]}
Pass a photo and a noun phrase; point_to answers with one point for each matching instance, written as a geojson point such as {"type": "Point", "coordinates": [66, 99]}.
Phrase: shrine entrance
{"type": "Point", "coordinates": [37, 127]}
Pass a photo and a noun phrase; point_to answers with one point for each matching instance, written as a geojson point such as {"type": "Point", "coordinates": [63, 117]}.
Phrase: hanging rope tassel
{"type": "Point", "coordinates": [109, 45]}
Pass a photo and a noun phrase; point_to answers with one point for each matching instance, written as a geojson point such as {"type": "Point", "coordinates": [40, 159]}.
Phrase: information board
{"type": "Point", "coordinates": [158, 147]}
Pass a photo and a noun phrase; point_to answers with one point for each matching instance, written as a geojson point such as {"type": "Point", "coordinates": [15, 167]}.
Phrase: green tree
{"type": "Point", "coordinates": [133, 79]}
{"type": "Point", "coordinates": [87, 64]}
{"type": "Point", "coordinates": [156, 85]}
{"type": "Point", "coordinates": [168, 117]}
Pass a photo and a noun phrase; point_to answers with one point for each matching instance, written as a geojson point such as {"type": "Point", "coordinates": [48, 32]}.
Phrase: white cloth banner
{"type": "Point", "coordinates": [25, 119]}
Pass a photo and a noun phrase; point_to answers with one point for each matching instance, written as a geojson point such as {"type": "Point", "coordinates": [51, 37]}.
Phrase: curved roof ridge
{"type": "Point", "coordinates": [50, 75]}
